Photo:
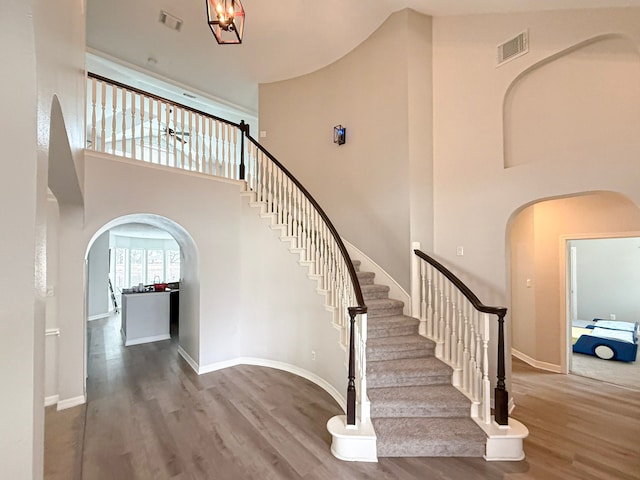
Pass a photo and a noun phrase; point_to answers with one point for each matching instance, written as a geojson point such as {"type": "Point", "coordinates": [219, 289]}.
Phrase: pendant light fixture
{"type": "Point", "coordinates": [226, 20]}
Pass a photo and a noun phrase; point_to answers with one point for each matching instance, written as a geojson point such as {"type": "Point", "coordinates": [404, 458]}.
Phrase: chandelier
{"type": "Point", "coordinates": [226, 20]}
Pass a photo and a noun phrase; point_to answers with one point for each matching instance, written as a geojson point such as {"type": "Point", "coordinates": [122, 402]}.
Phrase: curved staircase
{"type": "Point", "coordinates": [415, 410]}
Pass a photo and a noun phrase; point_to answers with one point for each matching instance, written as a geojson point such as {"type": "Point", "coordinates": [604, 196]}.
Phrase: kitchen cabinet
{"type": "Point", "coordinates": [145, 317]}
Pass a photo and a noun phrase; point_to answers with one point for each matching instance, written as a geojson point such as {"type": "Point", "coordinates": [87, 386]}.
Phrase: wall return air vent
{"type": "Point", "coordinates": [513, 48]}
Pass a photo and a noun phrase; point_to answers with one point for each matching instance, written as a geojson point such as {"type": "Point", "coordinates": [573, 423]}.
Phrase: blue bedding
{"type": "Point", "coordinates": [609, 340]}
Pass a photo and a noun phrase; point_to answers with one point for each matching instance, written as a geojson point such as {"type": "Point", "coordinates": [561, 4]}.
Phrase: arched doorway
{"type": "Point", "coordinates": [538, 235]}
{"type": "Point", "coordinates": [187, 327]}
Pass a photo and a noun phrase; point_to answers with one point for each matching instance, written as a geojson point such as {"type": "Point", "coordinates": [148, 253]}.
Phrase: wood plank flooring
{"type": "Point", "coordinates": [149, 416]}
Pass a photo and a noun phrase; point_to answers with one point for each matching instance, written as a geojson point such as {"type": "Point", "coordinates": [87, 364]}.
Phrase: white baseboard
{"type": "Point", "coordinates": [138, 341]}
{"type": "Point", "coordinates": [550, 367]}
{"type": "Point", "coordinates": [99, 316]}
{"type": "Point", "coordinates": [71, 402]}
{"type": "Point", "coordinates": [262, 362]}
{"type": "Point", "coordinates": [51, 400]}
{"type": "Point", "coordinates": [187, 358]}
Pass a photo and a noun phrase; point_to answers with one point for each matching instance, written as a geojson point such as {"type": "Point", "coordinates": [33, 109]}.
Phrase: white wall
{"type": "Point", "coordinates": [478, 109]}
{"type": "Point", "coordinates": [474, 195]}
{"type": "Point", "coordinates": [18, 407]}
{"type": "Point", "coordinates": [51, 316]}
{"type": "Point", "coordinates": [46, 42]}
{"type": "Point", "coordinates": [98, 277]}
{"type": "Point", "coordinates": [242, 293]}
{"type": "Point", "coordinates": [608, 278]}
{"type": "Point", "coordinates": [377, 187]}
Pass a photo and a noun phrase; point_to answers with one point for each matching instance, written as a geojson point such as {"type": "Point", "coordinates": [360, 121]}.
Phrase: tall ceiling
{"type": "Point", "coordinates": [283, 38]}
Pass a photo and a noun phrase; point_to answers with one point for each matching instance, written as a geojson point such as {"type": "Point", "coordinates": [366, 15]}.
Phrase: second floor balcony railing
{"type": "Point", "coordinates": [127, 122]}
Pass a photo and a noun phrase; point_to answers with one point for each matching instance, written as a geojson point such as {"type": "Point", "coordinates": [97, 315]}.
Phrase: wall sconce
{"type": "Point", "coordinates": [339, 134]}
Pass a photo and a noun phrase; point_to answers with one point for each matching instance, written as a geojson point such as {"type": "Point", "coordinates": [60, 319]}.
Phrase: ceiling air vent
{"type": "Point", "coordinates": [513, 48]}
{"type": "Point", "coordinates": [174, 23]}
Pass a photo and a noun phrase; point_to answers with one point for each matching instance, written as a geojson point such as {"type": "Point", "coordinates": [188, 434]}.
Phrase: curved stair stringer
{"type": "Point", "coordinates": [339, 321]}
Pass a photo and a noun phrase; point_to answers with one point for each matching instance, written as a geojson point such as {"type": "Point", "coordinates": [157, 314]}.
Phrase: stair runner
{"type": "Point", "coordinates": [415, 410]}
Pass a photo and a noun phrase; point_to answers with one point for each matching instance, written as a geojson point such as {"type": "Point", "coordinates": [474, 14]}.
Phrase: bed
{"type": "Point", "coordinates": [606, 339]}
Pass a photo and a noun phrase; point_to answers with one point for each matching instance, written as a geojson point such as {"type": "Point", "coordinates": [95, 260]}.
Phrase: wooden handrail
{"type": "Point", "coordinates": [501, 396]}
{"type": "Point", "coordinates": [361, 307]}
{"type": "Point", "coordinates": [466, 291]}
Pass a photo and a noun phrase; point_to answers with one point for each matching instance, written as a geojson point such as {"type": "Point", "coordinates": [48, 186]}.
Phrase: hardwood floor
{"type": "Point", "coordinates": [149, 416]}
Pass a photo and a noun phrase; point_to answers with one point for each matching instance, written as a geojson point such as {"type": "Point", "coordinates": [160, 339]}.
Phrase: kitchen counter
{"type": "Point", "coordinates": [145, 317]}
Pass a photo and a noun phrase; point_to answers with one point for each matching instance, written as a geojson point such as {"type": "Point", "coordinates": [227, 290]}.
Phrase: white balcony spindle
{"type": "Point", "coordinates": [133, 125]}
{"type": "Point", "coordinates": [93, 114]}
{"type": "Point", "coordinates": [142, 120]}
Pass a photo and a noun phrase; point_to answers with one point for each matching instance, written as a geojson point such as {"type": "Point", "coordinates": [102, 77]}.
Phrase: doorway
{"type": "Point", "coordinates": [603, 290]}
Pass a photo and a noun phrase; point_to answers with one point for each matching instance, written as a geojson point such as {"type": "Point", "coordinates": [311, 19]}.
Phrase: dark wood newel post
{"type": "Point", "coordinates": [351, 388]}
{"type": "Point", "coordinates": [501, 396]}
{"type": "Point", "coordinates": [244, 129]}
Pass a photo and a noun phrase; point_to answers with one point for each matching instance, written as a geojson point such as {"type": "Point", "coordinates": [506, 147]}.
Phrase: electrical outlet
{"type": "Point", "coordinates": [460, 251]}
{"type": "Point", "coordinates": [313, 355]}
{"type": "Point", "coordinates": [612, 316]}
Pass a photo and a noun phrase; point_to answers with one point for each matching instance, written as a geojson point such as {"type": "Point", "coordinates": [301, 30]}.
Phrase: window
{"type": "Point", "coordinates": [155, 266]}
{"type": "Point", "coordinates": [131, 266]}
{"type": "Point", "coordinates": [173, 266]}
{"type": "Point", "coordinates": [137, 263]}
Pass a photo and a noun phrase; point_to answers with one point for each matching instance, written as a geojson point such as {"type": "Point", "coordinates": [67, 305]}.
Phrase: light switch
{"type": "Point", "coordinates": [460, 251]}
{"type": "Point", "coordinates": [263, 134]}
{"type": "Point", "coordinates": [528, 283]}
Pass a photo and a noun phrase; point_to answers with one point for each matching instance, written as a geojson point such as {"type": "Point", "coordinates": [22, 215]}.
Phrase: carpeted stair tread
{"type": "Point", "coordinates": [394, 325]}
{"type": "Point", "coordinates": [356, 264]}
{"type": "Point", "coordinates": [404, 346]}
{"type": "Point", "coordinates": [408, 372]}
{"type": "Point", "coordinates": [383, 307]}
{"type": "Point", "coordinates": [418, 401]}
{"type": "Point", "coordinates": [374, 291]}
{"type": "Point", "coordinates": [365, 278]}
{"type": "Point", "coordinates": [429, 437]}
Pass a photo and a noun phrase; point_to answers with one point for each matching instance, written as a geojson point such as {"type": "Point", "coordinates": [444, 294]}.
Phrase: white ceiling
{"type": "Point", "coordinates": [283, 38]}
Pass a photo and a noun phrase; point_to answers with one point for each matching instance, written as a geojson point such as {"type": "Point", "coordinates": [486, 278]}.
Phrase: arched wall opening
{"type": "Point", "coordinates": [580, 104]}
{"type": "Point", "coordinates": [537, 237]}
{"type": "Point", "coordinates": [189, 314]}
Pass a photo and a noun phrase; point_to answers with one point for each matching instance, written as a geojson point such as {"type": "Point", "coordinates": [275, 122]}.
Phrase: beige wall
{"type": "Point", "coordinates": [582, 104]}
{"type": "Point", "coordinates": [377, 187]}
{"type": "Point", "coordinates": [538, 248]}
{"type": "Point", "coordinates": [45, 48]}
{"type": "Point", "coordinates": [242, 293]}
{"type": "Point", "coordinates": [475, 196]}
{"type": "Point", "coordinates": [475, 104]}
